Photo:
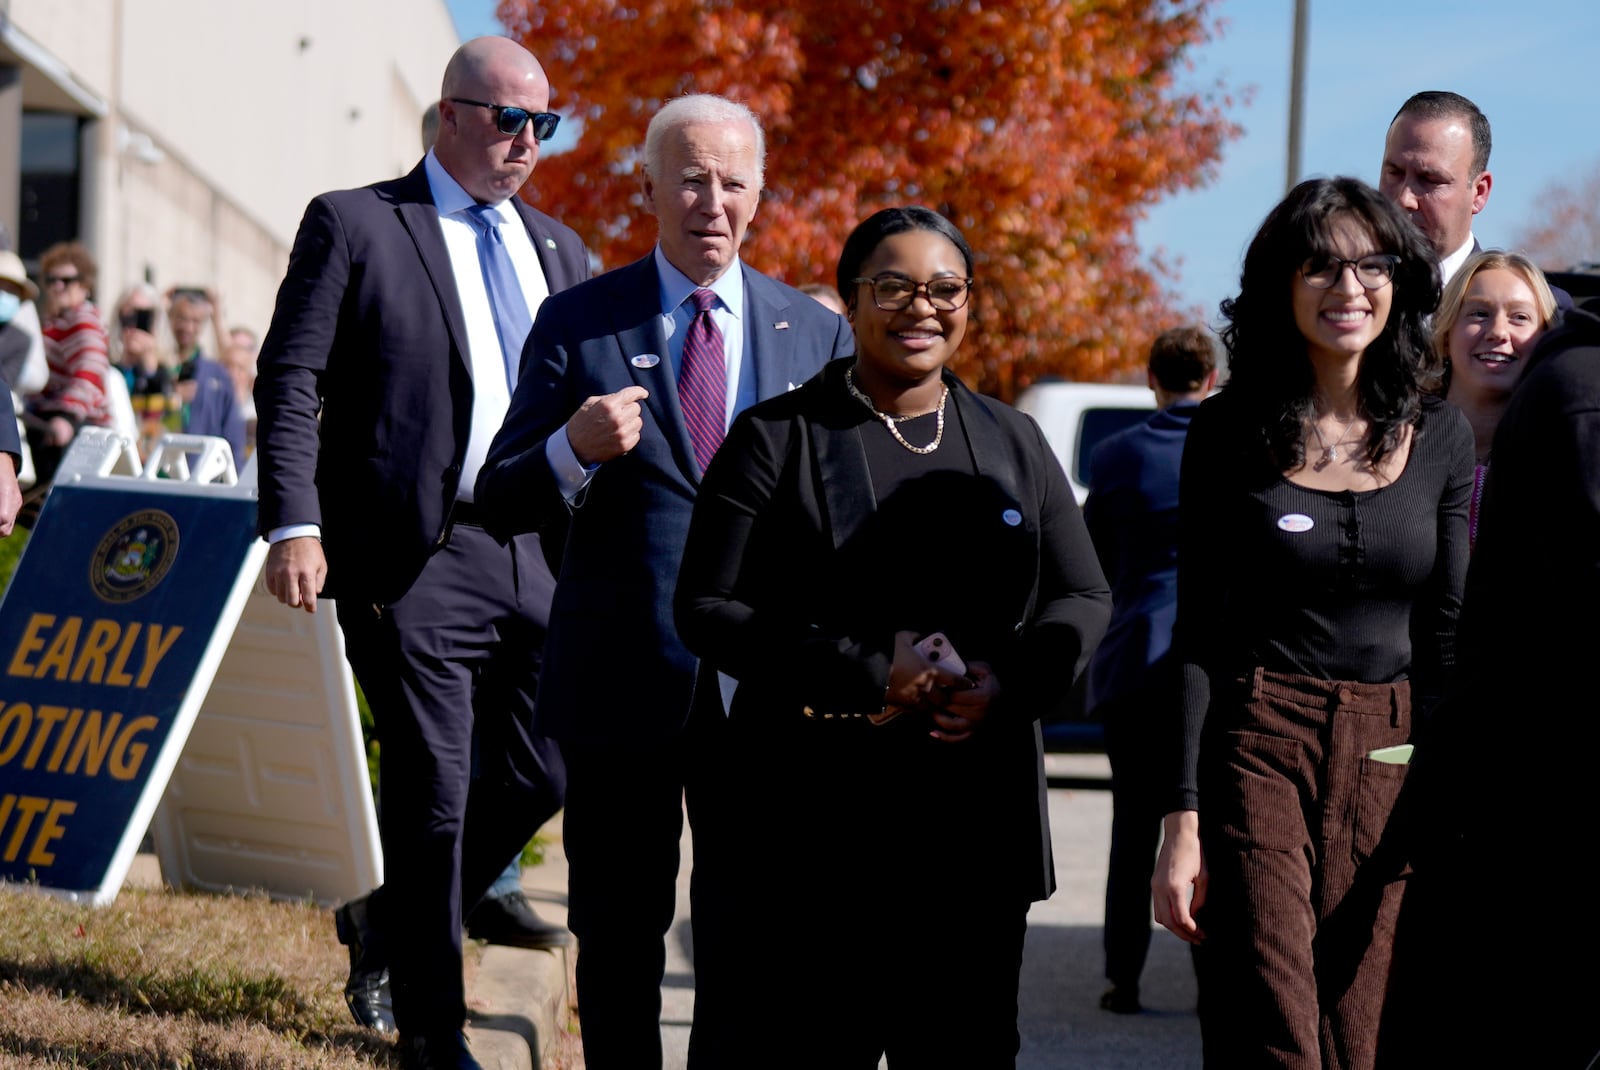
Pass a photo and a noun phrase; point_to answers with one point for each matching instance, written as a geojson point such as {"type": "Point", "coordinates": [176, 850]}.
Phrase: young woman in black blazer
{"type": "Point", "coordinates": [838, 528]}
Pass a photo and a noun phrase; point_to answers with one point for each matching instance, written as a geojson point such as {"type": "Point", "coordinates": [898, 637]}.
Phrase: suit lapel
{"type": "Point", "coordinates": [771, 339]}
{"type": "Point", "coordinates": [645, 339]}
{"type": "Point", "coordinates": [545, 245]}
{"type": "Point", "coordinates": [420, 216]}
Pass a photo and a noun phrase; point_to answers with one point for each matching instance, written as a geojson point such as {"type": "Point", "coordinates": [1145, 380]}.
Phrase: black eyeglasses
{"type": "Point", "coordinates": [51, 281]}
{"type": "Point", "coordinates": [894, 293]}
{"type": "Point", "coordinates": [1373, 271]}
{"type": "Point", "coordinates": [510, 121]}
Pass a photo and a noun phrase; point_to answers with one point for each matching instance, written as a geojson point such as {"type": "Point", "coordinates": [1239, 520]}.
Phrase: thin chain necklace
{"type": "Point", "coordinates": [1330, 454]}
{"type": "Point", "coordinates": [890, 420]}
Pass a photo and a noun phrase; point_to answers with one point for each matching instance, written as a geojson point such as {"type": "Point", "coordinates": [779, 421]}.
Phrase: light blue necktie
{"type": "Point", "coordinates": [506, 300]}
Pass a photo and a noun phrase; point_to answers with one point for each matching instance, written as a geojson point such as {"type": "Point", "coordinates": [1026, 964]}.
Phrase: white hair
{"type": "Point", "coordinates": [700, 108]}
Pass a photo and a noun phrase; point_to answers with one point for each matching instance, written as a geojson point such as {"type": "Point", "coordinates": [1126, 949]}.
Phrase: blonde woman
{"type": "Point", "coordinates": [1489, 319]}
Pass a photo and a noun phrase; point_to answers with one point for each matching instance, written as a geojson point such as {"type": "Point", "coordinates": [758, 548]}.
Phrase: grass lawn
{"type": "Point", "coordinates": [163, 980]}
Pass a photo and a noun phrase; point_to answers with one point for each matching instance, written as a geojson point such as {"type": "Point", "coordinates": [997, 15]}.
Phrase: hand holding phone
{"type": "Point", "coordinates": [937, 649]}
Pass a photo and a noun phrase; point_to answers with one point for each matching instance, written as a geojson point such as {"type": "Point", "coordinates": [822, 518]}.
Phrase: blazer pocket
{"type": "Point", "coordinates": [1254, 797]}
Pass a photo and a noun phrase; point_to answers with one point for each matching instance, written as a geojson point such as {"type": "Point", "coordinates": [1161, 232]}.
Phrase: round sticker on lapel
{"type": "Point", "coordinates": [1011, 517]}
{"type": "Point", "coordinates": [645, 360]}
{"type": "Point", "coordinates": [1295, 523]}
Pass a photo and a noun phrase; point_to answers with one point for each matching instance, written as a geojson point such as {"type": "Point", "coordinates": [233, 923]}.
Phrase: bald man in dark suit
{"type": "Point", "coordinates": [384, 376]}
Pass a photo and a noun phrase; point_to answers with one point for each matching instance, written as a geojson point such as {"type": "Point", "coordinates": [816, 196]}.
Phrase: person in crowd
{"type": "Point", "coordinates": [895, 721]}
{"type": "Point", "coordinates": [827, 295]}
{"type": "Point", "coordinates": [1132, 515]}
{"type": "Point", "coordinates": [400, 324]}
{"type": "Point", "coordinates": [78, 352]}
{"type": "Point", "coordinates": [1321, 549]}
{"type": "Point", "coordinates": [630, 381]}
{"type": "Point", "coordinates": [152, 389]}
{"type": "Point", "coordinates": [10, 463]}
{"type": "Point", "coordinates": [1501, 783]}
{"type": "Point", "coordinates": [240, 363]}
{"type": "Point", "coordinates": [1436, 168]}
{"type": "Point", "coordinates": [242, 337]}
{"type": "Point", "coordinates": [22, 359]}
{"type": "Point", "coordinates": [1489, 319]}
{"type": "Point", "coordinates": [209, 401]}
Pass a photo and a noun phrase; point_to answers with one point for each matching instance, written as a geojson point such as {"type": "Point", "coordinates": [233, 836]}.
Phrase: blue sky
{"type": "Point", "coordinates": [1527, 65]}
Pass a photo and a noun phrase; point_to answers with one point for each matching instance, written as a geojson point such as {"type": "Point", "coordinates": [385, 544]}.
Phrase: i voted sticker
{"type": "Point", "coordinates": [645, 360]}
{"type": "Point", "coordinates": [1011, 517]}
{"type": "Point", "coordinates": [1295, 522]}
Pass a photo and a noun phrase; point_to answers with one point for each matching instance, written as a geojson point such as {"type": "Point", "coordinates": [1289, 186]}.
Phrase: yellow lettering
{"type": "Point", "coordinates": [32, 642]}
{"type": "Point", "coordinates": [127, 756]}
{"type": "Point", "coordinates": [155, 649]}
{"type": "Point", "coordinates": [62, 740]}
{"type": "Point", "coordinates": [50, 830]}
{"type": "Point", "coordinates": [118, 676]}
{"type": "Point", "coordinates": [59, 656]}
{"type": "Point", "coordinates": [103, 636]}
{"type": "Point", "coordinates": [17, 719]}
{"type": "Point", "coordinates": [93, 743]}
{"type": "Point", "coordinates": [27, 806]}
{"type": "Point", "coordinates": [45, 719]}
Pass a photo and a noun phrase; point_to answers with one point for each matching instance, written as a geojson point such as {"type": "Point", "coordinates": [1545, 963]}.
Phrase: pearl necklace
{"type": "Point", "coordinates": [890, 419]}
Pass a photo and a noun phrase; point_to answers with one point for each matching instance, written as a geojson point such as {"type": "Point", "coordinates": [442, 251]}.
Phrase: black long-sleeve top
{"type": "Point", "coordinates": [1337, 585]}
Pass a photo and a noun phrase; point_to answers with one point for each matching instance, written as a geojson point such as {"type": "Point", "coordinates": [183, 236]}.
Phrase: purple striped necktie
{"type": "Point", "coordinates": [703, 380]}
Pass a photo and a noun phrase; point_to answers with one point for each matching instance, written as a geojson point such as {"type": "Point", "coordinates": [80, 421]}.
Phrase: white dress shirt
{"type": "Point", "coordinates": [491, 394]}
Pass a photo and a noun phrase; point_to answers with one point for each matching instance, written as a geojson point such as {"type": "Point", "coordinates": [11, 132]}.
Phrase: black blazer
{"type": "Point", "coordinates": [789, 488]}
{"type": "Point", "coordinates": [612, 612]}
{"type": "Point", "coordinates": [368, 332]}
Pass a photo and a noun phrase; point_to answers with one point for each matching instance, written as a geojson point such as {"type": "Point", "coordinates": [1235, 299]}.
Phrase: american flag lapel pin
{"type": "Point", "coordinates": [781, 325]}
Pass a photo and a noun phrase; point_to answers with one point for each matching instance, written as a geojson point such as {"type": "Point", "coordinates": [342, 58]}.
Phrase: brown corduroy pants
{"type": "Point", "coordinates": [1304, 889]}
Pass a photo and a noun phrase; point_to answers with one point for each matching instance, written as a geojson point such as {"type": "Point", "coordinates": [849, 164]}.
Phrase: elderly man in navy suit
{"type": "Point", "coordinates": [629, 382]}
{"type": "Point", "coordinates": [385, 374]}
{"type": "Point", "coordinates": [1132, 514]}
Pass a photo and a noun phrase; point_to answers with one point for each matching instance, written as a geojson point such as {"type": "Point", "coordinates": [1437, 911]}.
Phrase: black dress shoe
{"type": "Point", "coordinates": [366, 993]}
{"type": "Point", "coordinates": [437, 1051]}
{"type": "Point", "coordinates": [1121, 999]}
{"type": "Point", "coordinates": [509, 920]}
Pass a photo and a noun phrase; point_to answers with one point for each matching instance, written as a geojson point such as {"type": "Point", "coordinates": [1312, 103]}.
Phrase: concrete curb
{"type": "Point", "coordinates": [518, 1000]}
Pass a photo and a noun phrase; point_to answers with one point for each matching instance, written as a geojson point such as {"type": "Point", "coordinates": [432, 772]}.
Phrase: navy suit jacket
{"type": "Point", "coordinates": [614, 669]}
{"type": "Point", "coordinates": [1132, 513]}
{"type": "Point", "coordinates": [369, 335]}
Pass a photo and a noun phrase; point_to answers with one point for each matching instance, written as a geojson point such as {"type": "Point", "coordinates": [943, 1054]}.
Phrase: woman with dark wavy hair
{"type": "Point", "coordinates": [1321, 554]}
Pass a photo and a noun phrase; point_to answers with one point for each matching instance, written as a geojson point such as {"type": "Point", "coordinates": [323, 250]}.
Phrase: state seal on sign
{"type": "Point", "coordinates": [134, 556]}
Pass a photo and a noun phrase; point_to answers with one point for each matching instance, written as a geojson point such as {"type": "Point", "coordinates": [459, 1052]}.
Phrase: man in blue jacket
{"type": "Point", "coordinates": [1132, 513]}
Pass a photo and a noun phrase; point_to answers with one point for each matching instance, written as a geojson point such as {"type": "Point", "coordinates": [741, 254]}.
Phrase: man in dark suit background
{"type": "Point", "coordinates": [1132, 514]}
{"type": "Point", "coordinates": [613, 422]}
{"type": "Point", "coordinates": [383, 378]}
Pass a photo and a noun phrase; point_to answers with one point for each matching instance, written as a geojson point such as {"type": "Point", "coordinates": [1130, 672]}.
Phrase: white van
{"type": "Point", "coordinates": [1077, 417]}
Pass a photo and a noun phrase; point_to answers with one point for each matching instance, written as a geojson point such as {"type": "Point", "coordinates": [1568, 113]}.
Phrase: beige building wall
{"type": "Point", "coordinates": [223, 118]}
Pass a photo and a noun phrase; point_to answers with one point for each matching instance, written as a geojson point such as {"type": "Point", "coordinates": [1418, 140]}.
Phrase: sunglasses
{"type": "Point", "coordinates": [510, 121]}
{"type": "Point", "coordinates": [51, 281]}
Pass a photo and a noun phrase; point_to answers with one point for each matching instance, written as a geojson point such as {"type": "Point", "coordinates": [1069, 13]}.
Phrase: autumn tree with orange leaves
{"type": "Point", "coordinates": [1042, 128]}
{"type": "Point", "coordinates": [1566, 234]}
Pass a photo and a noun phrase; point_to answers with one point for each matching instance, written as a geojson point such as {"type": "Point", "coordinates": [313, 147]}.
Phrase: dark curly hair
{"type": "Point", "coordinates": [1267, 358]}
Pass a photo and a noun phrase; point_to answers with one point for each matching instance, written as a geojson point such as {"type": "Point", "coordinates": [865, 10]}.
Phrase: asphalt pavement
{"type": "Point", "coordinates": [1062, 1025]}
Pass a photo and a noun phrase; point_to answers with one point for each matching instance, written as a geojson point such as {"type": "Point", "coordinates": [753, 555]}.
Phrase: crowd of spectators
{"type": "Point", "coordinates": [142, 369]}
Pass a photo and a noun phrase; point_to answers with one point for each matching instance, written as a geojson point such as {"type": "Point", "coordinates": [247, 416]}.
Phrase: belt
{"type": "Point", "coordinates": [466, 513]}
